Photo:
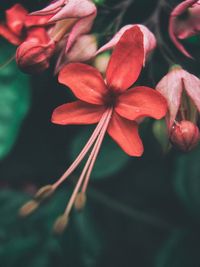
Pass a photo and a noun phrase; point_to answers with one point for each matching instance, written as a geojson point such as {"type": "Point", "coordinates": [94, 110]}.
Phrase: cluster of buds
{"type": "Point", "coordinates": [182, 92]}
{"type": "Point", "coordinates": [59, 29]}
{"type": "Point", "coordinates": [63, 29]}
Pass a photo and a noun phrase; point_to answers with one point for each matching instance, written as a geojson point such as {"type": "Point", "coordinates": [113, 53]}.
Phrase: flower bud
{"type": "Point", "coordinates": [184, 135]}
{"type": "Point", "coordinates": [33, 57]}
{"type": "Point", "coordinates": [101, 62]}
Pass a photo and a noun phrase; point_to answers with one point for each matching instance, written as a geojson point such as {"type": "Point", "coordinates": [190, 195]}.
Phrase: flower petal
{"type": "Point", "coordinates": [192, 86]}
{"type": "Point", "coordinates": [126, 61]}
{"type": "Point", "coordinates": [83, 49]}
{"type": "Point", "coordinates": [140, 102]}
{"type": "Point", "coordinates": [37, 20]}
{"type": "Point", "coordinates": [15, 17]}
{"type": "Point", "coordinates": [82, 26]}
{"type": "Point", "coordinates": [75, 9]}
{"type": "Point", "coordinates": [6, 33]}
{"type": "Point", "coordinates": [173, 23]}
{"type": "Point", "coordinates": [85, 82]}
{"type": "Point", "coordinates": [171, 86]}
{"type": "Point", "coordinates": [149, 40]}
{"type": "Point", "coordinates": [125, 134]}
{"type": "Point", "coordinates": [77, 113]}
{"type": "Point", "coordinates": [52, 8]}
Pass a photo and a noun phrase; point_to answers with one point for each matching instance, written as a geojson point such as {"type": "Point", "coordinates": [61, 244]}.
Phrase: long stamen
{"type": "Point", "coordinates": [99, 143]}
{"type": "Point", "coordinates": [89, 164]}
{"type": "Point", "coordinates": [83, 152]}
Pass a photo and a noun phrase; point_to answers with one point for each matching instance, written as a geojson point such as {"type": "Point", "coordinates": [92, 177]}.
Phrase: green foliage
{"type": "Point", "coordinates": [110, 159]}
{"type": "Point", "coordinates": [187, 180]}
{"type": "Point", "coordinates": [160, 133]}
{"type": "Point", "coordinates": [30, 241]}
{"type": "Point", "coordinates": [14, 100]}
{"type": "Point", "coordinates": [99, 2]}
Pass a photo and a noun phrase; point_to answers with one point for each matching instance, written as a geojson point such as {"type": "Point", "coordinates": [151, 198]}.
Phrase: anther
{"type": "Point", "coordinates": [28, 208]}
{"type": "Point", "coordinates": [61, 224]}
{"type": "Point", "coordinates": [80, 201]}
{"type": "Point", "coordinates": [44, 192]}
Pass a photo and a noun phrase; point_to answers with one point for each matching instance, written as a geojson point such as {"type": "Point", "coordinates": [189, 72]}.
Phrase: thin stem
{"type": "Point", "coordinates": [8, 61]}
{"type": "Point", "coordinates": [83, 152]}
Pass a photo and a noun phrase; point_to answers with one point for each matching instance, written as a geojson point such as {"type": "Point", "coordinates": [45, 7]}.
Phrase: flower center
{"type": "Point", "coordinates": [111, 98]}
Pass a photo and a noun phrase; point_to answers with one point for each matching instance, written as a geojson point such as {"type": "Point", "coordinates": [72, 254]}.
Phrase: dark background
{"type": "Point", "coordinates": [140, 211]}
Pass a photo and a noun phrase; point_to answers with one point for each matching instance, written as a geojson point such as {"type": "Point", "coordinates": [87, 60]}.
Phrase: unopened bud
{"type": "Point", "coordinates": [101, 62]}
{"type": "Point", "coordinates": [80, 201]}
{"type": "Point", "coordinates": [184, 135]}
{"type": "Point", "coordinates": [28, 208]}
{"type": "Point", "coordinates": [60, 224]}
{"type": "Point", "coordinates": [44, 192]}
{"type": "Point", "coordinates": [33, 55]}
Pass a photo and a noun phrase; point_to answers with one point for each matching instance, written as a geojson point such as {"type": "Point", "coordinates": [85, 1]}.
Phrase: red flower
{"type": "Point", "coordinates": [97, 97]}
{"type": "Point", "coordinates": [110, 104]}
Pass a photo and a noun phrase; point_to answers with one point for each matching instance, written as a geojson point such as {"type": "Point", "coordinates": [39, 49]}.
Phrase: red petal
{"type": "Point", "coordinates": [85, 82]}
{"type": "Point", "coordinates": [37, 20]}
{"type": "Point", "coordinates": [125, 134]}
{"type": "Point", "coordinates": [77, 113]}
{"type": "Point", "coordinates": [15, 18]}
{"type": "Point", "coordinates": [126, 61]}
{"type": "Point", "coordinates": [141, 101]}
{"type": "Point", "coordinates": [6, 33]}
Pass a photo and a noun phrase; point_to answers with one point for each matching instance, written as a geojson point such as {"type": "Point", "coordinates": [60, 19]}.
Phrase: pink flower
{"type": "Point", "coordinates": [182, 92]}
{"type": "Point", "coordinates": [184, 22]}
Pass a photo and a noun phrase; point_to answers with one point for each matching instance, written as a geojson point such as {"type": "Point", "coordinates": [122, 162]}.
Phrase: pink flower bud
{"type": "Point", "coordinates": [184, 135]}
{"type": "Point", "coordinates": [34, 54]}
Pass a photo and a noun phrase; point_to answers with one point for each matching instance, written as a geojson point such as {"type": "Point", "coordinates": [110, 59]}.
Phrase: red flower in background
{"type": "Point", "coordinates": [29, 33]}
{"type": "Point", "coordinates": [62, 30]}
{"type": "Point", "coordinates": [18, 23]}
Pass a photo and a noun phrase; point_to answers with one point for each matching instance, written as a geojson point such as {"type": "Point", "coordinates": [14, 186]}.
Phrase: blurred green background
{"type": "Point", "coordinates": [142, 212]}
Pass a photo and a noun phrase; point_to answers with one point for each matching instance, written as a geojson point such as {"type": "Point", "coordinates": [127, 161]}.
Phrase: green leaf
{"type": "Point", "coordinates": [14, 100]}
{"type": "Point", "coordinates": [110, 159]}
{"type": "Point", "coordinates": [99, 2]}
